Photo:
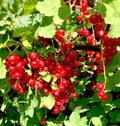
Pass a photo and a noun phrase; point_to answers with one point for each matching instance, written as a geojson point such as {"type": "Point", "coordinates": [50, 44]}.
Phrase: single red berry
{"type": "Point", "coordinates": [46, 91]}
{"type": "Point", "coordinates": [94, 18]}
{"type": "Point", "coordinates": [21, 92]}
{"type": "Point", "coordinates": [12, 69]}
{"type": "Point", "coordinates": [86, 32]}
{"type": "Point", "coordinates": [74, 95]}
{"type": "Point", "coordinates": [60, 35]}
{"type": "Point", "coordinates": [39, 85]}
{"type": "Point", "coordinates": [41, 63]}
{"type": "Point", "coordinates": [91, 38]}
{"type": "Point", "coordinates": [84, 6]}
{"type": "Point", "coordinates": [79, 18]}
{"type": "Point", "coordinates": [63, 73]}
{"type": "Point", "coordinates": [80, 31]}
{"type": "Point", "coordinates": [17, 75]}
{"type": "Point", "coordinates": [33, 56]}
{"type": "Point", "coordinates": [65, 82]}
{"type": "Point", "coordinates": [86, 12]}
{"type": "Point", "coordinates": [59, 68]}
{"type": "Point", "coordinates": [56, 110]}
{"type": "Point", "coordinates": [25, 61]}
{"type": "Point", "coordinates": [34, 64]}
{"type": "Point", "coordinates": [69, 45]}
{"type": "Point", "coordinates": [61, 87]}
{"type": "Point", "coordinates": [43, 122]}
{"type": "Point", "coordinates": [32, 81]}
{"type": "Point", "coordinates": [13, 59]}
{"type": "Point", "coordinates": [16, 87]}
{"type": "Point", "coordinates": [55, 92]}
{"type": "Point", "coordinates": [20, 66]}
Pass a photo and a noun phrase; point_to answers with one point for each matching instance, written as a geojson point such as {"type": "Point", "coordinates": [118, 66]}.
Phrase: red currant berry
{"type": "Point", "coordinates": [60, 35]}
{"type": "Point", "coordinates": [12, 69]}
{"type": "Point", "coordinates": [84, 6]}
{"type": "Point", "coordinates": [39, 85]}
{"type": "Point", "coordinates": [74, 95]}
{"type": "Point", "coordinates": [61, 87]}
{"type": "Point", "coordinates": [33, 56]}
{"type": "Point", "coordinates": [13, 59]}
{"type": "Point", "coordinates": [102, 95]}
{"type": "Point", "coordinates": [43, 122]}
{"type": "Point", "coordinates": [21, 92]}
{"type": "Point", "coordinates": [16, 87]}
{"type": "Point", "coordinates": [34, 64]}
{"type": "Point", "coordinates": [32, 81]}
{"type": "Point", "coordinates": [56, 110]}
{"type": "Point", "coordinates": [46, 91]}
{"type": "Point", "coordinates": [79, 18]}
{"type": "Point", "coordinates": [80, 31]}
{"type": "Point", "coordinates": [20, 66]}
{"type": "Point", "coordinates": [17, 75]}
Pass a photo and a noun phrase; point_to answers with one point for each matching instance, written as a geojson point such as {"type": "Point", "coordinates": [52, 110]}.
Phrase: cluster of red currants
{"type": "Point", "coordinates": [63, 70]}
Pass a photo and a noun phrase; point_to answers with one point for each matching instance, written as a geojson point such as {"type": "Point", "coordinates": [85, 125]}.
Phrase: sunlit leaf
{"type": "Point", "coordinates": [48, 101]}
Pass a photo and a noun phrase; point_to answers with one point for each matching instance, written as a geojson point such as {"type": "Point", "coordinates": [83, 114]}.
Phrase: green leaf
{"type": "Point", "coordinates": [43, 73]}
{"type": "Point", "coordinates": [4, 104]}
{"type": "Point", "coordinates": [34, 102]}
{"type": "Point", "coordinates": [64, 12]}
{"type": "Point", "coordinates": [23, 120]}
{"type": "Point", "coordinates": [75, 120]}
{"type": "Point", "coordinates": [49, 123]}
{"type": "Point", "coordinates": [96, 121]}
{"type": "Point", "coordinates": [93, 113]}
{"type": "Point", "coordinates": [45, 31]}
{"type": "Point", "coordinates": [29, 93]}
{"type": "Point", "coordinates": [3, 53]}
{"type": "Point", "coordinates": [106, 1]}
{"type": "Point", "coordinates": [113, 18]}
{"type": "Point", "coordinates": [114, 63]}
{"type": "Point", "coordinates": [30, 109]}
{"type": "Point", "coordinates": [29, 6]}
{"type": "Point", "coordinates": [4, 86]}
{"type": "Point", "coordinates": [48, 101]}
{"type": "Point", "coordinates": [102, 9]}
{"type": "Point", "coordinates": [53, 82]}
{"type": "Point", "coordinates": [26, 44]}
{"type": "Point", "coordinates": [112, 73]}
{"type": "Point", "coordinates": [117, 103]}
{"type": "Point", "coordinates": [3, 39]}
{"type": "Point", "coordinates": [48, 7]}
{"type": "Point", "coordinates": [47, 77]}
{"type": "Point", "coordinates": [1, 3]}
{"type": "Point", "coordinates": [58, 11]}
{"type": "Point", "coordinates": [115, 116]}
{"type": "Point", "coordinates": [2, 70]}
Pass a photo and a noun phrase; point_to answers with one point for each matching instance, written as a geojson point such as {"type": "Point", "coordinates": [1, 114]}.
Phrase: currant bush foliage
{"type": "Point", "coordinates": [59, 62]}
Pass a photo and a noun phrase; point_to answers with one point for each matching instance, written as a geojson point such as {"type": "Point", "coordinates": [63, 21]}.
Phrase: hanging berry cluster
{"type": "Point", "coordinates": [62, 89]}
